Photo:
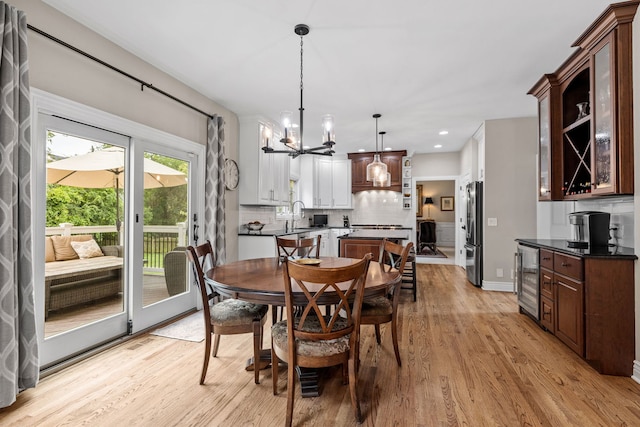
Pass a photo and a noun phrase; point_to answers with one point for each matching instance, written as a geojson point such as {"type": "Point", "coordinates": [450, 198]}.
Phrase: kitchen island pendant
{"type": "Point", "coordinates": [376, 169]}
{"type": "Point", "coordinates": [384, 180]}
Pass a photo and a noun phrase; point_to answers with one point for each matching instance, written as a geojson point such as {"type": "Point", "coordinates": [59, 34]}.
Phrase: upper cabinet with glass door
{"type": "Point", "coordinates": [585, 114]}
{"type": "Point", "coordinates": [547, 91]}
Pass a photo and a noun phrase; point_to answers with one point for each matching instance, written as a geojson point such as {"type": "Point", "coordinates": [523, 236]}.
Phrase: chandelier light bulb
{"type": "Point", "coordinates": [328, 133]}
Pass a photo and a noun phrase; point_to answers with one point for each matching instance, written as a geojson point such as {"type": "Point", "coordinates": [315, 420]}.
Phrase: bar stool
{"type": "Point", "coordinates": [409, 274]}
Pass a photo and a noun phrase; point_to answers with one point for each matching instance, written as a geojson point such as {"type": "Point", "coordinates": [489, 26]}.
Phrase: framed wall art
{"type": "Point", "coordinates": [446, 203]}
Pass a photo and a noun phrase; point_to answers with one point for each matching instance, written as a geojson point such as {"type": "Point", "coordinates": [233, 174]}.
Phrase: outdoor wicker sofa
{"type": "Point", "coordinates": [175, 270]}
{"type": "Point", "coordinates": [73, 280]}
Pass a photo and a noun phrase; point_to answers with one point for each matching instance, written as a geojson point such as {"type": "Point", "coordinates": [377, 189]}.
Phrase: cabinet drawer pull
{"type": "Point", "coordinates": [546, 258]}
{"type": "Point", "coordinates": [565, 264]}
{"type": "Point", "coordinates": [546, 283]}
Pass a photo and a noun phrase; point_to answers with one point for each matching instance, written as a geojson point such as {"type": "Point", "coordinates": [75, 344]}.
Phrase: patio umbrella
{"type": "Point", "coordinates": [105, 169]}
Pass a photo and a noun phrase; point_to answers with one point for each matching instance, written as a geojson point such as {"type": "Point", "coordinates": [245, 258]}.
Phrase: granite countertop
{"type": "Point", "coordinates": [378, 234]}
{"type": "Point", "coordinates": [282, 232]}
{"type": "Point", "coordinates": [558, 245]}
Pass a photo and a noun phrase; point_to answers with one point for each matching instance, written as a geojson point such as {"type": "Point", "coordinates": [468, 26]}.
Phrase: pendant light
{"type": "Point", "coordinates": [292, 141]}
{"type": "Point", "coordinates": [385, 179]}
{"type": "Point", "coordinates": [376, 169]}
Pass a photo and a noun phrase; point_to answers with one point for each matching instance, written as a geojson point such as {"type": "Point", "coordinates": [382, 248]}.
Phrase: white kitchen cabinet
{"type": "Point", "coordinates": [294, 168]}
{"type": "Point", "coordinates": [341, 183]}
{"type": "Point", "coordinates": [324, 182]}
{"type": "Point", "coordinates": [256, 246]}
{"type": "Point", "coordinates": [325, 241]}
{"type": "Point", "coordinates": [334, 243]}
{"type": "Point", "coordinates": [264, 178]}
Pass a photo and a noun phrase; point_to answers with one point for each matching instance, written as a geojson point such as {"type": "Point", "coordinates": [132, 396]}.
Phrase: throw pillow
{"type": "Point", "coordinates": [49, 252]}
{"type": "Point", "coordinates": [88, 249]}
{"type": "Point", "coordinates": [62, 246]}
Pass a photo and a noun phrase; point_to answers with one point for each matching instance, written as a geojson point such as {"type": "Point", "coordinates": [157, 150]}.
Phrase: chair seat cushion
{"type": "Point", "coordinates": [379, 306]}
{"type": "Point", "coordinates": [235, 312]}
{"type": "Point", "coordinates": [310, 348]}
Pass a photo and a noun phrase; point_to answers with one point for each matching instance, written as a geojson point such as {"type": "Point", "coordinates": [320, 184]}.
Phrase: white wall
{"type": "Point", "coordinates": [510, 193]}
{"type": "Point", "coordinates": [435, 165]}
{"type": "Point", "coordinates": [58, 70]}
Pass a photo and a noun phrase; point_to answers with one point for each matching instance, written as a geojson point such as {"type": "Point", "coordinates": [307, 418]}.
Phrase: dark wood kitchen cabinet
{"type": "Point", "coordinates": [359, 162]}
{"type": "Point", "coordinates": [547, 294]}
{"type": "Point", "coordinates": [547, 90]}
{"type": "Point", "coordinates": [569, 301]}
{"type": "Point", "coordinates": [561, 298]}
{"type": "Point", "coordinates": [587, 302]}
{"type": "Point", "coordinates": [585, 112]}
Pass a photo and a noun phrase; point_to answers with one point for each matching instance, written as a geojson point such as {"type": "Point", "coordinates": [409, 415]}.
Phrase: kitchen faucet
{"type": "Point", "coordinates": [293, 213]}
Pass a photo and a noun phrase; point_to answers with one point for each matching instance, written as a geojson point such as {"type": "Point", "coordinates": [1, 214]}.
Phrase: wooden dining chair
{"type": "Point", "coordinates": [384, 309]}
{"type": "Point", "coordinates": [308, 247]}
{"type": "Point", "coordinates": [225, 317]}
{"type": "Point", "coordinates": [313, 339]}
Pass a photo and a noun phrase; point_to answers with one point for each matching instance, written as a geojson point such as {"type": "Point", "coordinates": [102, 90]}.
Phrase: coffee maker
{"type": "Point", "coordinates": [589, 229]}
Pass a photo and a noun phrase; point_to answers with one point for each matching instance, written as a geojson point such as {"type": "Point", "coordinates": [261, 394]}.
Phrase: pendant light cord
{"type": "Point", "coordinates": [376, 135]}
{"type": "Point", "coordinates": [301, 89]}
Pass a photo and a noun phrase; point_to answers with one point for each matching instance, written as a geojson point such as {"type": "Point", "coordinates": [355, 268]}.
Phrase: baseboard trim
{"type": "Point", "coordinates": [497, 286]}
{"type": "Point", "coordinates": [636, 371]}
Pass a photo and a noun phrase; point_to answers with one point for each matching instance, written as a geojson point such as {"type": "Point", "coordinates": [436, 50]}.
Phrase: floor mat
{"type": "Point", "coordinates": [428, 252]}
{"type": "Point", "coordinates": [190, 328]}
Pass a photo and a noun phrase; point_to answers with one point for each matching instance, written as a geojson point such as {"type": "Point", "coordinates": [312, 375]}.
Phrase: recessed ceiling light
{"type": "Point", "coordinates": [437, 146]}
{"type": "Point", "coordinates": [360, 150]}
{"type": "Point", "coordinates": [444, 132]}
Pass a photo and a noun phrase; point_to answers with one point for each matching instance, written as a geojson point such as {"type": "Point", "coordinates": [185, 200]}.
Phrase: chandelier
{"type": "Point", "coordinates": [293, 145]}
{"type": "Point", "coordinates": [376, 170]}
{"type": "Point", "coordinates": [384, 178]}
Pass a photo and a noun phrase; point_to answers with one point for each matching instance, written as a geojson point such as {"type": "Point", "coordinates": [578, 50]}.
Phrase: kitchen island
{"type": "Point", "coordinates": [361, 242]}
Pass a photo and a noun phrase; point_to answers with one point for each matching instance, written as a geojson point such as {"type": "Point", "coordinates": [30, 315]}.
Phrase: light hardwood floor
{"type": "Point", "coordinates": [469, 358]}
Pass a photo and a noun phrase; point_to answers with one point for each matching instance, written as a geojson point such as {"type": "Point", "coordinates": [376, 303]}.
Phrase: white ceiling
{"type": "Point", "coordinates": [425, 65]}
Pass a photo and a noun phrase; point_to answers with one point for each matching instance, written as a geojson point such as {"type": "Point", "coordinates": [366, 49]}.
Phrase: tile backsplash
{"type": "Point", "coordinates": [553, 218]}
{"type": "Point", "coordinates": [369, 207]}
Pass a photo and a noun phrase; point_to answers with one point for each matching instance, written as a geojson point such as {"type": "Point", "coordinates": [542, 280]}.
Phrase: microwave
{"type": "Point", "coordinates": [320, 220]}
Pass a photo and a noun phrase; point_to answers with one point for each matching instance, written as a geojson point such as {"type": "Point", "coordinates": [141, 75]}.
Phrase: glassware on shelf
{"type": "Point", "coordinates": [583, 110]}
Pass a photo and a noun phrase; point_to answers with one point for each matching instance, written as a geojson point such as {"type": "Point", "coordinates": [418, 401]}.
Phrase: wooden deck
{"type": "Point", "coordinates": [154, 290]}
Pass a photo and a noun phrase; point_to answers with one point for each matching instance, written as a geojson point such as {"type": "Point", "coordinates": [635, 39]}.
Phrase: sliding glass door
{"type": "Point", "coordinates": [81, 287]}
{"type": "Point", "coordinates": [161, 232]}
{"type": "Point", "coordinates": [112, 217]}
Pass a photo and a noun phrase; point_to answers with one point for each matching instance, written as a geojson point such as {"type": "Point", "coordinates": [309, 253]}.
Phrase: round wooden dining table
{"type": "Point", "coordinates": [261, 281]}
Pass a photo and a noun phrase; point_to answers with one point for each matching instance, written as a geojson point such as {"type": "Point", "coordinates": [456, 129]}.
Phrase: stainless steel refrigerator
{"type": "Point", "coordinates": [473, 229]}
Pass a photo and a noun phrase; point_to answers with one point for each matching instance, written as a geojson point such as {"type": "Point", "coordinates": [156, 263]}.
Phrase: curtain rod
{"type": "Point", "coordinates": [143, 84]}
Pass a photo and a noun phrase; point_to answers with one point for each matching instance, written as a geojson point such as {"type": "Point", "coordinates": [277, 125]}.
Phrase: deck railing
{"type": "Point", "coordinates": [157, 239]}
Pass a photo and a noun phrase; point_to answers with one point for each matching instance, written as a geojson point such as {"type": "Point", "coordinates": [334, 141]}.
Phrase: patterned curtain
{"type": "Point", "coordinates": [18, 339]}
{"type": "Point", "coordinates": [214, 222]}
